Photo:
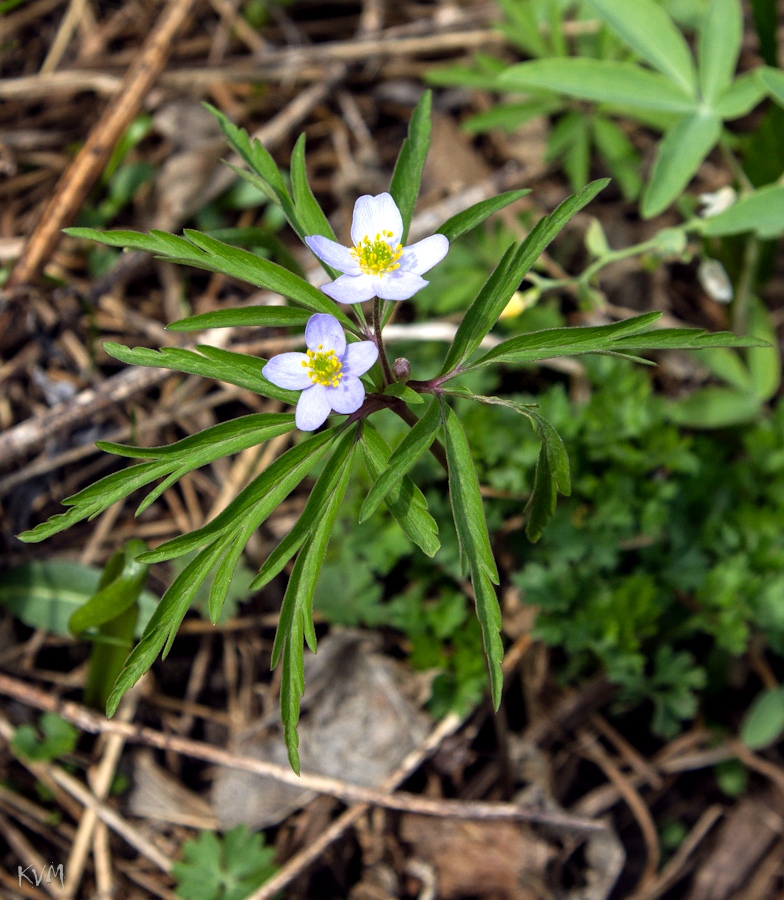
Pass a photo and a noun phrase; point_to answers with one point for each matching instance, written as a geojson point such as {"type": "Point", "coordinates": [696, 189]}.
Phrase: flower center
{"type": "Point", "coordinates": [323, 367]}
{"type": "Point", "coordinates": [377, 257]}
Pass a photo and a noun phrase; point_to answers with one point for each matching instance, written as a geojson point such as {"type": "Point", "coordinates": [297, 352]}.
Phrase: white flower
{"type": "Point", "coordinates": [377, 265]}
{"type": "Point", "coordinates": [328, 374]}
{"type": "Point", "coordinates": [717, 202]}
{"type": "Point", "coordinates": [715, 281]}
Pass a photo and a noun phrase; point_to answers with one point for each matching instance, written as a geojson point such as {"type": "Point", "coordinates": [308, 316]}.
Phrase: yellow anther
{"type": "Point", "coordinates": [323, 367]}
{"type": "Point", "coordinates": [377, 257]}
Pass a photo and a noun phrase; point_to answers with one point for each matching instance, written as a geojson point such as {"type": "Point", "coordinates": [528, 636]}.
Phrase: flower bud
{"type": "Point", "coordinates": [401, 369]}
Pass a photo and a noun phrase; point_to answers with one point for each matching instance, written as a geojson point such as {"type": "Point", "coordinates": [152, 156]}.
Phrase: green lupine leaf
{"type": "Point", "coordinates": [246, 316]}
{"type": "Point", "coordinates": [310, 516]}
{"type": "Point", "coordinates": [405, 501]}
{"type": "Point", "coordinates": [727, 365]}
{"type": "Point", "coordinates": [238, 369]}
{"type": "Point", "coordinates": [764, 720]}
{"type": "Point", "coordinates": [764, 362]}
{"type": "Point", "coordinates": [45, 594]}
{"type": "Point", "coordinates": [466, 499]}
{"type": "Point", "coordinates": [678, 157]}
{"type": "Point", "coordinates": [162, 627]}
{"type": "Point", "coordinates": [404, 457]}
{"type": "Point", "coordinates": [741, 96]}
{"type": "Point", "coordinates": [715, 407]}
{"type": "Point", "coordinates": [651, 33]}
{"type": "Point", "coordinates": [603, 81]}
{"type": "Point", "coordinates": [721, 34]}
{"type": "Point", "coordinates": [407, 176]}
{"type": "Point", "coordinates": [505, 279]}
{"type": "Point", "coordinates": [256, 501]}
{"type": "Point", "coordinates": [761, 212]}
{"type": "Point", "coordinates": [773, 79]}
{"type": "Point", "coordinates": [508, 116]}
{"type": "Point", "coordinates": [124, 579]}
{"type": "Point", "coordinates": [476, 214]}
{"type": "Point", "coordinates": [523, 28]}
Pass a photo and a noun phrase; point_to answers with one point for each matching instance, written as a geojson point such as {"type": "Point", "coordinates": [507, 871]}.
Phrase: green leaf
{"type": "Point", "coordinates": [475, 550]}
{"type": "Point", "coordinates": [505, 279]}
{"type": "Point", "coordinates": [773, 80]}
{"type": "Point", "coordinates": [570, 140]}
{"type": "Point", "coordinates": [205, 252]}
{"type": "Point", "coordinates": [259, 159]}
{"type": "Point", "coordinates": [761, 212]}
{"type": "Point", "coordinates": [311, 514]}
{"type": "Point", "coordinates": [764, 362]}
{"type": "Point", "coordinates": [551, 342]}
{"type": "Point", "coordinates": [163, 625]}
{"type": "Point", "coordinates": [310, 215]}
{"type": "Point", "coordinates": [244, 317]}
{"type": "Point", "coordinates": [296, 615]}
{"type": "Point", "coordinates": [97, 497]}
{"type": "Point", "coordinates": [727, 365]}
{"type": "Point", "coordinates": [223, 365]}
{"type": "Point", "coordinates": [603, 81]}
{"type": "Point", "coordinates": [474, 542]}
{"type": "Point", "coordinates": [651, 33]}
{"type": "Point", "coordinates": [764, 721]}
{"type": "Point", "coordinates": [552, 467]}
{"type": "Point", "coordinates": [407, 176]}
{"type": "Point", "coordinates": [488, 612]}
{"type": "Point", "coordinates": [230, 868]}
{"type": "Point", "coordinates": [740, 97]}
{"type": "Point", "coordinates": [122, 583]}
{"type": "Point", "coordinates": [619, 154]}
{"type": "Point", "coordinates": [405, 501]}
{"type": "Point", "coordinates": [721, 34]}
{"type": "Point", "coordinates": [714, 407]}
{"type": "Point", "coordinates": [508, 116]}
{"type": "Point", "coordinates": [402, 460]}
{"type": "Point", "coordinates": [45, 594]}
{"type": "Point", "coordinates": [476, 214]}
{"type": "Point", "coordinates": [678, 157]}
{"type": "Point", "coordinates": [255, 502]}
{"type": "Point", "coordinates": [59, 738]}
{"type": "Point", "coordinates": [405, 393]}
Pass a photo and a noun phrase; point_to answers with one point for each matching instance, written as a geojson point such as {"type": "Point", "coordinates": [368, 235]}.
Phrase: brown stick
{"type": "Point", "coordinates": [80, 176]}
{"type": "Point", "coordinates": [91, 722]}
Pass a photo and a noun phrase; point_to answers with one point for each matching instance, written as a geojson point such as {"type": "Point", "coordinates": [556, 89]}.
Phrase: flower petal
{"type": "Point", "coordinates": [286, 370]}
{"type": "Point", "coordinates": [422, 256]}
{"type": "Point", "coordinates": [324, 331]}
{"type": "Point", "coordinates": [372, 215]}
{"type": "Point", "coordinates": [359, 357]}
{"type": "Point", "coordinates": [350, 288]}
{"type": "Point", "coordinates": [312, 408]}
{"type": "Point", "coordinates": [399, 285]}
{"type": "Point", "coordinates": [348, 396]}
{"type": "Point", "coordinates": [333, 254]}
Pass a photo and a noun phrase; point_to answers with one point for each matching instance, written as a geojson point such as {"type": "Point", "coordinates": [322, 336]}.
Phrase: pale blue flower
{"type": "Point", "coordinates": [378, 265]}
{"type": "Point", "coordinates": [328, 374]}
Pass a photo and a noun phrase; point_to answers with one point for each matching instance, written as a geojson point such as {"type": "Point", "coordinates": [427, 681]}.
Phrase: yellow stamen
{"type": "Point", "coordinates": [323, 367]}
{"type": "Point", "coordinates": [377, 257]}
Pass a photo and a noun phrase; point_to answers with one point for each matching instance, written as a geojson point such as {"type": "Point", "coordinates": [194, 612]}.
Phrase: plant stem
{"type": "Point", "coordinates": [382, 355]}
